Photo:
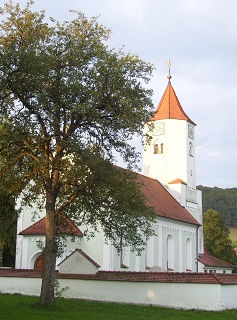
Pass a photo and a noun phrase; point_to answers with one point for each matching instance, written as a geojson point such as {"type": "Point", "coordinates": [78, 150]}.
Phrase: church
{"type": "Point", "coordinates": [169, 185]}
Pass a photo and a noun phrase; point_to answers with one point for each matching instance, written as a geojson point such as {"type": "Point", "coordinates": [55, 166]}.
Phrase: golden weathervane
{"type": "Point", "coordinates": [169, 65]}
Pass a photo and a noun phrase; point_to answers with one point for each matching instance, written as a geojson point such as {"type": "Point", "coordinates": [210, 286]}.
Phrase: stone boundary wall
{"type": "Point", "coordinates": [186, 291]}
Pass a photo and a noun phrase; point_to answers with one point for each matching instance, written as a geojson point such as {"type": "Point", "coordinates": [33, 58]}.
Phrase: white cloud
{"type": "Point", "coordinates": [200, 38]}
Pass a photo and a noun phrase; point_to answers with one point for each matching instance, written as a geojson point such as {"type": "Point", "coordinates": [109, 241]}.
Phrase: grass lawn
{"type": "Point", "coordinates": [17, 307]}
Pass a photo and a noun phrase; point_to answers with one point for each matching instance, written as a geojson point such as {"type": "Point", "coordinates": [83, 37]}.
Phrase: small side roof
{"type": "Point", "coordinates": [39, 228]}
{"type": "Point", "coordinates": [209, 261]}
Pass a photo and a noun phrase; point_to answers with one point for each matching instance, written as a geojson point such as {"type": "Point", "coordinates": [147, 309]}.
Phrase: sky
{"type": "Point", "coordinates": [200, 39]}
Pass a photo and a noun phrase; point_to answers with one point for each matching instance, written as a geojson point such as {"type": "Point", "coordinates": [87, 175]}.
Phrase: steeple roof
{"type": "Point", "coordinates": [170, 107]}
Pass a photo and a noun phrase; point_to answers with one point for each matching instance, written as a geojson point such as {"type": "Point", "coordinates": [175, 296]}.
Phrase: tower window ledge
{"type": "Point", "coordinates": [192, 189]}
{"type": "Point", "coordinates": [190, 201]}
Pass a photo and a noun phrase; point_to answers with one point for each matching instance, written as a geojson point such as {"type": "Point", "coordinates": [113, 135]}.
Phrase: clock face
{"type": "Point", "coordinates": [190, 131]}
{"type": "Point", "coordinates": [159, 129]}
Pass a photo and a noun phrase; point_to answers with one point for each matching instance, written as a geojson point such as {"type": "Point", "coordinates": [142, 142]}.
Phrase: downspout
{"type": "Point", "coordinates": [197, 248]}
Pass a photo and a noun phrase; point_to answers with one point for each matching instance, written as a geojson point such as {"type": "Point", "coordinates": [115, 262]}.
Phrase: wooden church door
{"type": "Point", "coordinates": [39, 263]}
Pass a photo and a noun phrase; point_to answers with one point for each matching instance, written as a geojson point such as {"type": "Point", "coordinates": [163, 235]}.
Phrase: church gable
{"type": "Point", "coordinates": [78, 263]}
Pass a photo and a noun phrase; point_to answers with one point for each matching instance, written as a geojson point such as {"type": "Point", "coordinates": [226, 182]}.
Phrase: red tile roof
{"type": "Point", "coordinates": [177, 181]}
{"type": "Point", "coordinates": [170, 107]}
{"type": "Point", "coordinates": [157, 197]}
{"type": "Point", "coordinates": [159, 277]}
{"type": "Point", "coordinates": [164, 204]}
{"type": "Point", "coordinates": [39, 228]}
{"type": "Point", "coordinates": [209, 261]}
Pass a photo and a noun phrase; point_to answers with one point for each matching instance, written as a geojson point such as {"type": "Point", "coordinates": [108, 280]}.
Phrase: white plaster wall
{"type": "Point", "coordinates": [24, 286]}
{"type": "Point", "coordinates": [176, 191]}
{"type": "Point", "coordinates": [24, 221]}
{"type": "Point", "coordinates": [228, 297]}
{"type": "Point", "coordinates": [155, 253]}
{"type": "Point", "coordinates": [94, 246]}
{"type": "Point", "coordinates": [30, 251]}
{"type": "Point", "coordinates": [108, 258]}
{"type": "Point", "coordinates": [180, 232]}
{"type": "Point", "coordinates": [174, 162]}
{"type": "Point", "coordinates": [176, 295]}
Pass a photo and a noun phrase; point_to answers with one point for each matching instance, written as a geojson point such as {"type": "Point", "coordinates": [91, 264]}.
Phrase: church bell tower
{"type": "Point", "coordinates": [170, 155]}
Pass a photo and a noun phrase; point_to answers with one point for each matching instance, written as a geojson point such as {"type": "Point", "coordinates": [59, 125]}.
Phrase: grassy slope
{"type": "Point", "coordinates": [16, 307]}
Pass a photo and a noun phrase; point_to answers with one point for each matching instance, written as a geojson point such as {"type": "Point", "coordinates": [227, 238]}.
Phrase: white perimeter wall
{"type": "Point", "coordinates": [176, 295]}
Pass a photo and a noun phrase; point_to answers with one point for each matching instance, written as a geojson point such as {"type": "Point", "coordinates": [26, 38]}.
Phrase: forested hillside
{"type": "Point", "coordinates": [222, 200]}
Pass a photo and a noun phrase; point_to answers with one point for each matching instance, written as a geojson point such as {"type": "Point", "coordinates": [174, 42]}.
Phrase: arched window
{"type": "Point", "coordinates": [158, 148]}
{"type": "Point", "coordinates": [189, 254]}
{"type": "Point", "coordinates": [161, 148]}
{"type": "Point", "coordinates": [170, 252]}
{"type": "Point", "coordinates": [191, 149]}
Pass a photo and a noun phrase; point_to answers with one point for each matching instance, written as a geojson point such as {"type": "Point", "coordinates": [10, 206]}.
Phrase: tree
{"type": "Point", "coordinates": [68, 104]}
{"type": "Point", "coordinates": [216, 237]}
{"type": "Point", "coordinates": [9, 191]}
{"type": "Point", "coordinates": [222, 200]}
{"type": "Point", "coordinates": [8, 223]}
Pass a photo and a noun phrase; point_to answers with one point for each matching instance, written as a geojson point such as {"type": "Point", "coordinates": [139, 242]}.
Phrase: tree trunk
{"type": "Point", "coordinates": [49, 253]}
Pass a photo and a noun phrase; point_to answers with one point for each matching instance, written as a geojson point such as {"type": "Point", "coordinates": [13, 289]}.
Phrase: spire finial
{"type": "Point", "coordinates": [169, 65]}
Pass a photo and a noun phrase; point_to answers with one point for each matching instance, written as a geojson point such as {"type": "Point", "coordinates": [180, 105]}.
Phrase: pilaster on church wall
{"type": "Point", "coordinates": [94, 247]}
{"type": "Point", "coordinates": [19, 239]}
{"type": "Point", "coordinates": [107, 253]}
{"type": "Point", "coordinates": [201, 236]}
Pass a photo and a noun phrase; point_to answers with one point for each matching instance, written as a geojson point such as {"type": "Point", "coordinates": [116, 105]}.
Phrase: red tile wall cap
{"type": "Point", "coordinates": [159, 277]}
{"type": "Point", "coordinates": [129, 276]}
{"type": "Point", "coordinates": [20, 273]}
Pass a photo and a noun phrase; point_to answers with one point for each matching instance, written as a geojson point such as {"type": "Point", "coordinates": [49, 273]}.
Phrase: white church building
{"type": "Point", "coordinates": [169, 185]}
